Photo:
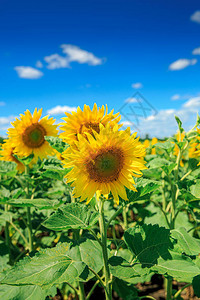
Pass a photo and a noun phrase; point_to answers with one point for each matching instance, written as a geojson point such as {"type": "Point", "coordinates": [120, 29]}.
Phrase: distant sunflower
{"type": "Point", "coordinates": [82, 122]}
{"type": "Point", "coordinates": [7, 154]}
{"type": "Point", "coordinates": [105, 162]}
{"type": "Point", "coordinates": [153, 142]}
{"type": "Point", "coordinates": [194, 150]}
{"type": "Point", "coordinates": [28, 134]}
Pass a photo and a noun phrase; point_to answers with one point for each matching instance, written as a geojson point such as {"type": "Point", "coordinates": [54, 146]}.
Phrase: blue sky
{"type": "Point", "coordinates": [70, 53]}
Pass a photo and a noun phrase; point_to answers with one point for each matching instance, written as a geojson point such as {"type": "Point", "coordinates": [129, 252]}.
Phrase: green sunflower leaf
{"type": "Point", "coordinates": [28, 292]}
{"type": "Point", "coordinates": [72, 216]}
{"type": "Point", "coordinates": [46, 268]}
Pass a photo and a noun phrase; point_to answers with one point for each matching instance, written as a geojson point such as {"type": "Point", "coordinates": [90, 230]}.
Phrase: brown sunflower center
{"type": "Point", "coordinates": [88, 127]}
{"type": "Point", "coordinates": [106, 165]}
{"type": "Point", "coordinates": [33, 136]}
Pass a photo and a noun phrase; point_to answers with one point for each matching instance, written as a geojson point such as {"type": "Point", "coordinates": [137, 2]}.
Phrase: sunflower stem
{"type": "Point", "coordinates": [103, 232]}
{"type": "Point", "coordinates": [28, 213]}
{"type": "Point", "coordinates": [125, 217]}
{"type": "Point", "coordinates": [81, 291]}
{"type": "Point", "coordinates": [7, 235]}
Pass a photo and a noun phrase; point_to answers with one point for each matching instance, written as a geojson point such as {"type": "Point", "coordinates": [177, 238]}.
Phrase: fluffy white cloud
{"type": "Point", "coordinates": [196, 16]}
{"type": "Point", "coordinates": [39, 64]}
{"type": "Point", "coordinates": [137, 85]}
{"type": "Point", "coordinates": [28, 72]}
{"type": "Point", "coordinates": [6, 120]}
{"type": "Point", "coordinates": [192, 104]}
{"type": "Point", "coordinates": [131, 100]}
{"type": "Point", "coordinates": [163, 124]}
{"type": "Point", "coordinates": [182, 63]}
{"type": "Point", "coordinates": [196, 51]}
{"type": "Point", "coordinates": [76, 54]}
{"type": "Point", "coordinates": [56, 61]}
{"type": "Point", "coordinates": [58, 110]}
{"type": "Point", "coordinates": [175, 97]}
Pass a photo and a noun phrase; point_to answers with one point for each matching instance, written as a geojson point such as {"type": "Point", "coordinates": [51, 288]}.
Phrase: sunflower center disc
{"type": "Point", "coordinates": [33, 136]}
{"type": "Point", "coordinates": [106, 165]}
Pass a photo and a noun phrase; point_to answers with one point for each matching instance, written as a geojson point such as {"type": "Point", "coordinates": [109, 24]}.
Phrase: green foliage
{"type": "Point", "coordinates": [56, 143]}
{"type": "Point", "coordinates": [72, 216]}
{"type": "Point", "coordinates": [28, 292]}
{"type": "Point", "coordinates": [46, 268]}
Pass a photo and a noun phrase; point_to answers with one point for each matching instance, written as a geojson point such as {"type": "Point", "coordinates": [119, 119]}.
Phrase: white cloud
{"type": "Point", "coordinates": [39, 64]}
{"type": "Point", "coordinates": [56, 61]}
{"type": "Point", "coordinates": [137, 85]}
{"type": "Point", "coordinates": [2, 103]}
{"type": "Point", "coordinates": [175, 97]}
{"type": "Point", "coordinates": [163, 124]}
{"type": "Point", "coordinates": [76, 54]}
{"type": "Point", "coordinates": [192, 104]}
{"type": "Point", "coordinates": [6, 120]}
{"type": "Point", "coordinates": [132, 100]}
{"type": "Point", "coordinates": [28, 72]}
{"type": "Point", "coordinates": [196, 51]}
{"type": "Point", "coordinates": [58, 110]}
{"type": "Point", "coordinates": [196, 16]}
{"type": "Point", "coordinates": [182, 63]}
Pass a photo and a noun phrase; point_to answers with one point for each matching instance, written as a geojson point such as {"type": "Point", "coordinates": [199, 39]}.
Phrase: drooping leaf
{"type": "Point", "coordinates": [148, 243]}
{"type": "Point", "coordinates": [88, 250]}
{"type": "Point", "coordinates": [39, 203]}
{"type": "Point", "coordinates": [28, 292]}
{"type": "Point", "coordinates": [125, 290]}
{"type": "Point", "coordinates": [127, 271]}
{"type": "Point", "coordinates": [144, 189]}
{"type": "Point", "coordinates": [179, 124]}
{"type": "Point", "coordinates": [189, 245]}
{"type": "Point", "coordinates": [72, 216]}
{"type": "Point", "coordinates": [195, 189]}
{"type": "Point", "coordinates": [180, 267]}
{"type": "Point", "coordinates": [46, 268]}
{"type": "Point", "coordinates": [25, 160]}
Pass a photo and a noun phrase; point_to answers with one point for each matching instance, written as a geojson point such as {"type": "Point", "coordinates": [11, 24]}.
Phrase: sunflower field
{"type": "Point", "coordinates": [88, 210]}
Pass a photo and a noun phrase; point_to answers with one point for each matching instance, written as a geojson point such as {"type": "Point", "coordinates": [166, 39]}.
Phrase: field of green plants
{"type": "Point", "coordinates": [94, 212]}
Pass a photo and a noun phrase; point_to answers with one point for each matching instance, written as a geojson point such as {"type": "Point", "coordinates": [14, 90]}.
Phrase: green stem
{"type": "Point", "coordinates": [103, 232]}
{"type": "Point", "coordinates": [28, 213]}
{"type": "Point", "coordinates": [81, 291]}
{"type": "Point", "coordinates": [92, 289]}
{"type": "Point", "coordinates": [95, 236]}
{"type": "Point", "coordinates": [7, 235]}
{"type": "Point", "coordinates": [30, 233]}
{"type": "Point", "coordinates": [114, 216]}
{"type": "Point", "coordinates": [169, 288]}
{"type": "Point", "coordinates": [147, 297]}
{"type": "Point", "coordinates": [164, 213]}
{"type": "Point", "coordinates": [188, 173]}
{"type": "Point", "coordinates": [20, 233]}
{"type": "Point", "coordinates": [180, 291]}
{"type": "Point", "coordinates": [125, 218]}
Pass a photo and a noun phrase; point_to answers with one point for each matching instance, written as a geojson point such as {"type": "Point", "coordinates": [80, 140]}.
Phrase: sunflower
{"type": "Point", "coordinates": [153, 142]}
{"type": "Point", "coordinates": [7, 154]}
{"type": "Point", "coordinates": [28, 134]}
{"type": "Point", "coordinates": [105, 162]}
{"type": "Point", "coordinates": [194, 150]}
{"type": "Point", "coordinates": [82, 122]}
